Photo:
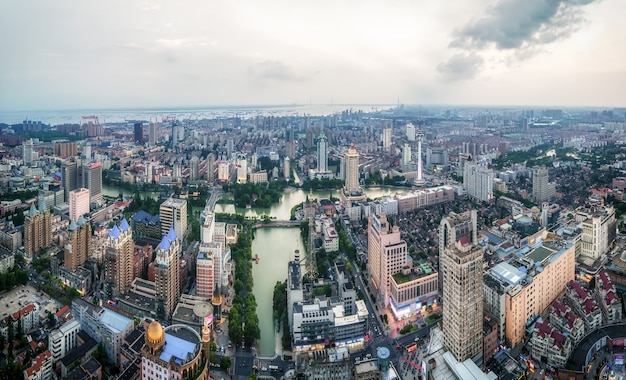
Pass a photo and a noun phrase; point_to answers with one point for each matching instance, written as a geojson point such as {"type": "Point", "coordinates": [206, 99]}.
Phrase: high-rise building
{"type": "Point", "coordinates": [27, 152]}
{"type": "Point", "coordinates": [598, 229]}
{"type": "Point", "coordinates": [92, 180]}
{"type": "Point", "coordinates": [153, 134]}
{"type": "Point", "coordinates": [186, 352]}
{"type": "Point", "coordinates": [322, 153]}
{"type": "Point", "coordinates": [79, 203]}
{"type": "Point", "coordinates": [65, 149]}
{"type": "Point", "coordinates": [119, 254]}
{"type": "Point", "coordinates": [37, 229]}
{"type": "Point", "coordinates": [138, 133]}
{"type": "Point", "coordinates": [69, 177]}
{"type": "Point", "coordinates": [242, 168]}
{"type": "Point", "coordinates": [386, 138]}
{"type": "Point", "coordinates": [205, 272]}
{"type": "Point", "coordinates": [223, 172]}
{"type": "Point", "coordinates": [386, 253]}
{"type": "Point", "coordinates": [406, 155]}
{"type": "Point", "coordinates": [77, 243]}
{"type": "Point", "coordinates": [461, 268]}
{"type": "Point", "coordinates": [478, 181]}
{"type": "Point", "coordinates": [420, 175]}
{"type": "Point", "coordinates": [287, 169]}
{"type": "Point", "coordinates": [210, 168]}
{"type": "Point", "coordinates": [352, 186]}
{"type": "Point", "coordinates": [543, 190]}
{"type": "Point", "coordinates": [194, 166]}
{"type": "Point", "coordinates": [173, 213]}
{"type": "Point", "coordinates": [230, 148]}
{"type": "Point", "coordinates": [167, 273]}
{"type": "Point", "coordinates": [410, 132]}
{"type": "Point", "coordinates": [87, 152]}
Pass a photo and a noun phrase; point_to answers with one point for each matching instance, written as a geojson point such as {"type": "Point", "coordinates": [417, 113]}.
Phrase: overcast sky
{"type": "Point", "coordinates": [101, 54]}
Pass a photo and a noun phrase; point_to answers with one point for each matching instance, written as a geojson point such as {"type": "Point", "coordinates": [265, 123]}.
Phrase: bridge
{"type": "Point", "coordinates": [278, 223]}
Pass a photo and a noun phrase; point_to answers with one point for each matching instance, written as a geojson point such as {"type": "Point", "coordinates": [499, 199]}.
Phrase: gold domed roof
{"type": "Point", "coordinates": [155, 332]}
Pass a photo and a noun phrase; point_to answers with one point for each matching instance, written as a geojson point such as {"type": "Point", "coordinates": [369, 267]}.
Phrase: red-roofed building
{"type": "Point", "coordinates": [550, 345]}
{"type": "Point", "coordinates": [584, 305]}
{"type": "Point", "coordinates": [41, 368]}
{"type": "Point", "coordinates": [29, 317]}
{"type": "Point", "coordinates": [62, 314]}
{"type": "Point", "coordinates": [564, 320]}
{"type": "Point", "coordinates": [606, 297]}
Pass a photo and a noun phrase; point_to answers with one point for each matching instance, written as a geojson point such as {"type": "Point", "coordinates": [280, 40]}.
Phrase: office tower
{"type": "Point", "coordinates": [174, 136]}
{"type": "Point", "coordinates": [386, 138]}
{"type": "Point", "coordinates": [194, 166]}
{"type": "Point", "coordinates": [86, 153]}
{"type": "Point", "coordinates": [65, 149]}
{"type": "Point", "coordinates": [138, 133]}
{"type": "Point", "coordinates": [386, 253]}
{"type": "Point", "coordinates": [352, 171]}
{"type": "Point", "coordinates": [210, 168]}
{"type": "Point", "coordinates": [167, 273]}
{"type": "Point", "coordinates": [478, 181]}
{"type": "Point", "coordinates": [92, 180]}
{"type": "Point", "coordinates": [322, 153]}
{"type": "Point", "coordinates": [242, 168]}
{"type": "Point", "coordinates": [205, 272]}
{"type": "Point", "coordinates": [223, 172]}
{"type": "Point", "coordinates": [543, 190]}
{"type": "Point", "coordinates": [37, 229]}
{"type": "Point", "coordinates": [119, 253]}
{"type": "Point", "coordinates": [27, 152]}
{"type": "Point", "coordinates": [230, 147]}
{"type": "Point", "coordinates": [410, 132]}
{"type": "Point", "coordinates": [462, 271]}
{"type": "Point", "coordinates": [406, 154]}
{"type": "Point", "coordinates": [173, 213]}
{"type": "Point", "coordinates": [598, 229]}
{"type": "Point", "coordinates": [153, 134]}
{"type": "Point", "coordinates": [77, 243]}
{"type": "Point", "coordinates": [436, 156]}
{"type": "Point", "coordinates": [286, 169]}
{"type": "Point", "coordinates": [420, 176]}
{"type": "Point", "coordinates": [69, 177]}
{"type": "Point", "coordinates": [79, 203]}
{"type": "Point", "coordinates": [186, 351]}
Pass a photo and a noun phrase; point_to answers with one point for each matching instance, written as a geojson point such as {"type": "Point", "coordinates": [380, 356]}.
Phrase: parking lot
{"type": "Point", "coordinates": [14, 300]}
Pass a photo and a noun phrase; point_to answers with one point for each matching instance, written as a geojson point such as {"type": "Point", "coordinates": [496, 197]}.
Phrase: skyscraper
{"type": "Point", "coordinates": [543, 190]}
{"type": "Point", "coordinates": [79, 203]}
{"type": "Point", "coordinates": [322, 153]}
{"type": "Point", "coordinates": [167, 273]}
{"type": "Point", "coordinates": [173, 213]}
{"type": "Point", "coordinates": [462, 273]}
{"type": "Point", "coordinates": [69, 177]}
{"type": "Point", "coordinates": [77, 243]}
{"type": "Point", "coordinates": [352, 186]}
{"type": "Point", "coordinates": [386, 138]}
{"type": "Point", "coordinates": [286, 169]}
{"type": "Point", "coordinates": [119, 257]}
{"type": "Point", "coordinates": [37, 229]}
{"type": "Point", "coordinates": [194, 165]}
{"type": "Point", "coordinates": [205, 271]}
{"type": "Point", "coordinates": [242, 168]}
{"type": "Point", "coordinates": [420, 176]}
{"type": "Point", "coordinates": [410, 132]}
{"type": "Point", "coordinates": [27, 152]}
{"type": "Point", "coordinates": [210, 167]}
{"type": "Point", "coordinates": [153, 134]}
{"type": "Point", "coordinates": [65, 149]}
{"type": "Point", "coordinates": [92, 180]}
{"type": "Point", "coordinates": [406, 154]}
{"type": "Point", "coordinates": [478, 181]}
{"type": "Point", "coordinates": [138, 134]}
{"type": "Point", "coordinates": [386, 253]}
{"type": "Point", "coordinates": [230, 148]}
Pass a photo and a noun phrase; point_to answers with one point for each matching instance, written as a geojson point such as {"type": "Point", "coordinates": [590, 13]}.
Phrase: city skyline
{"type": "Point", "coordinates": [503, 52]}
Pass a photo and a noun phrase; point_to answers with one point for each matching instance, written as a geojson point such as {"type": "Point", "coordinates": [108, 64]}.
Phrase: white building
{"type": "Point", "coordinates": [173, 212]}
{"type": "Point", "coordinates": [62, 340]}
{"type": "Point", "coordinates": [79, 203]}
{"type": "Point", "coordinates": [478, 181]}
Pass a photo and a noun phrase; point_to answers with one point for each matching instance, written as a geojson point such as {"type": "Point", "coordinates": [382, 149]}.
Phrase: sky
{"type": "Point", "coordinates": [106, 54]}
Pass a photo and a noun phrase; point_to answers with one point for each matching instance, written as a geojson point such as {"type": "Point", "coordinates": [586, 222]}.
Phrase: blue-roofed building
{"type": "Point", "coordinates": [144, 224]}
{"type": "Point", "coordinates": [174, 352]}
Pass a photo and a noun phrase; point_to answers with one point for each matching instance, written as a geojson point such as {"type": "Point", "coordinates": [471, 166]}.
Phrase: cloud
{"type": "Point", "coordinates": [461, 66]}
{"type": "Point", "coordinates": [274, 70]}
{"type": "Point", "coordinates": [518, 27]}
{"type": "Point", "coordinates": [518, 24]}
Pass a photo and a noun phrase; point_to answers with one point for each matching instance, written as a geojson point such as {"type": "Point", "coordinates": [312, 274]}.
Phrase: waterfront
{"type": "Point", "coordinates": [115, 191]}
{"type": "Point", "coordinates": [275, 247]}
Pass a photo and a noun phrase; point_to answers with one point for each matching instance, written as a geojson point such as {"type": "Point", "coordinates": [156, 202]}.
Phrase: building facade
{"type": "Point", "coordinates": [167, 273]}
{"type": "Point", "coordinates": [173, 213]}
{"type": "Point", "coordinates": [37, 229]}
{"type": "Point", "coordinates": [79, 203]}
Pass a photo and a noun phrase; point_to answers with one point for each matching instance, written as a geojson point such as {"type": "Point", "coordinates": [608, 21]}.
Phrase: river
{"type": "Point", "coordinates": [114, 191]}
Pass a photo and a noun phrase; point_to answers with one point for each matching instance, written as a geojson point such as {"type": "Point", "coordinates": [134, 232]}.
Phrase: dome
{"type": "Point", "coordinates": [155, 333]}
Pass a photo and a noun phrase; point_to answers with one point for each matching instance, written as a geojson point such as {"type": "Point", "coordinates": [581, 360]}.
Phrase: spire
{"type": "Point", "coordinates": [73, 226]}
{"type": "Point", "coordinates": [171, 235]}
{"type": "Point", "coordinates": [42, 205]}
{"type": "Point", "coordinates": [33, 210]}
{"type": "Point", "coordinates": [165, 244]}
{"type": "Point", "coordinates": [124, 225]}
{"type": "Point", "coordinates": [115, 232]}
{"type": "Point", "coordinates": [81, 221]}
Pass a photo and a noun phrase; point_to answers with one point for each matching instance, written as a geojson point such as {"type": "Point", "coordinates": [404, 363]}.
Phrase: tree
{"type": "Point", "coordinates": [225, 363]}
{"type": "Point", "coordinates": [213, 346]}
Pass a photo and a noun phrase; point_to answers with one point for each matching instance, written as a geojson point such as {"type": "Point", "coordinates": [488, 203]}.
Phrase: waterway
{"type": "Point", "coordinates": [115, 191]}
{"type": "Point", "coordinates": [282, 209]}
{"type": "Point", "coordinates": [275, 247]}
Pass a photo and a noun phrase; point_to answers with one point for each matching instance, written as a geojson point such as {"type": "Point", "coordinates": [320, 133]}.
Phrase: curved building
{"type": "Point", "coordinates": [174, 352]}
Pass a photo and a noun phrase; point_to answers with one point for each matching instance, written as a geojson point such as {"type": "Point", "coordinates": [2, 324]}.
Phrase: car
{"type": "Point", "coordinates": [263, 368]}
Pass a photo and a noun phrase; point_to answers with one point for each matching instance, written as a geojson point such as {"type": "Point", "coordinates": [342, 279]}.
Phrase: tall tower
{"type": "Point", "coordinates": [194, 165]}
{"type": "Point", "coordinates": [242, 168]}
{"type": "Point", "coordinates": [322, 153]}
{"type": "Point", "coordinates": [37, 229]}
{"type": "Point", "coordinates": [27, 152]}
{"type": "Point", "coordinates": [153, 133]}
{"type": "Point", "coordinates": [461, 268]}
{"type": "Point", "coordinates": [406, 154]}
{"type": "Point", "coordinates": [352, 172]}
{"type": "Point", "coordinates": [210, 167]}
{"type": "Point", "coordinates": [119, 257]}
{"type": "Point", "coordinates": [79, 203]}
{"type": "Point", "coordinates": [138, 133]}
{"type": "Point", "coordinates": [287, 169]}
{"type": "Point", "coordinates": [69, 177]}
{"type": "Point", "coordinates": [419, 181]}
{"type": "Point", "coordinates": [410, 132]}
{"type": "Point", "coordinates": [77, 243]}
{"type": "Point", "coordinates": [167, 273]}
{"type": "Point", "coordinates": [92, 180]}
{"type": "Point", "coordinates": [386, 138]}
{"type": "Point", "coordinates": [311, 261]}
{"type": "Point", "coordinates": [543, 190]}
{"type": "Point", "coordinates": [87, 152]}
{"type": "Point", "coordinates": [173, 213]}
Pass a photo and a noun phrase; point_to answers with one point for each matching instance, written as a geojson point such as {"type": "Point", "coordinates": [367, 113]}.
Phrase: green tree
{"type": "Point", "coordinates": [225, 363]}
